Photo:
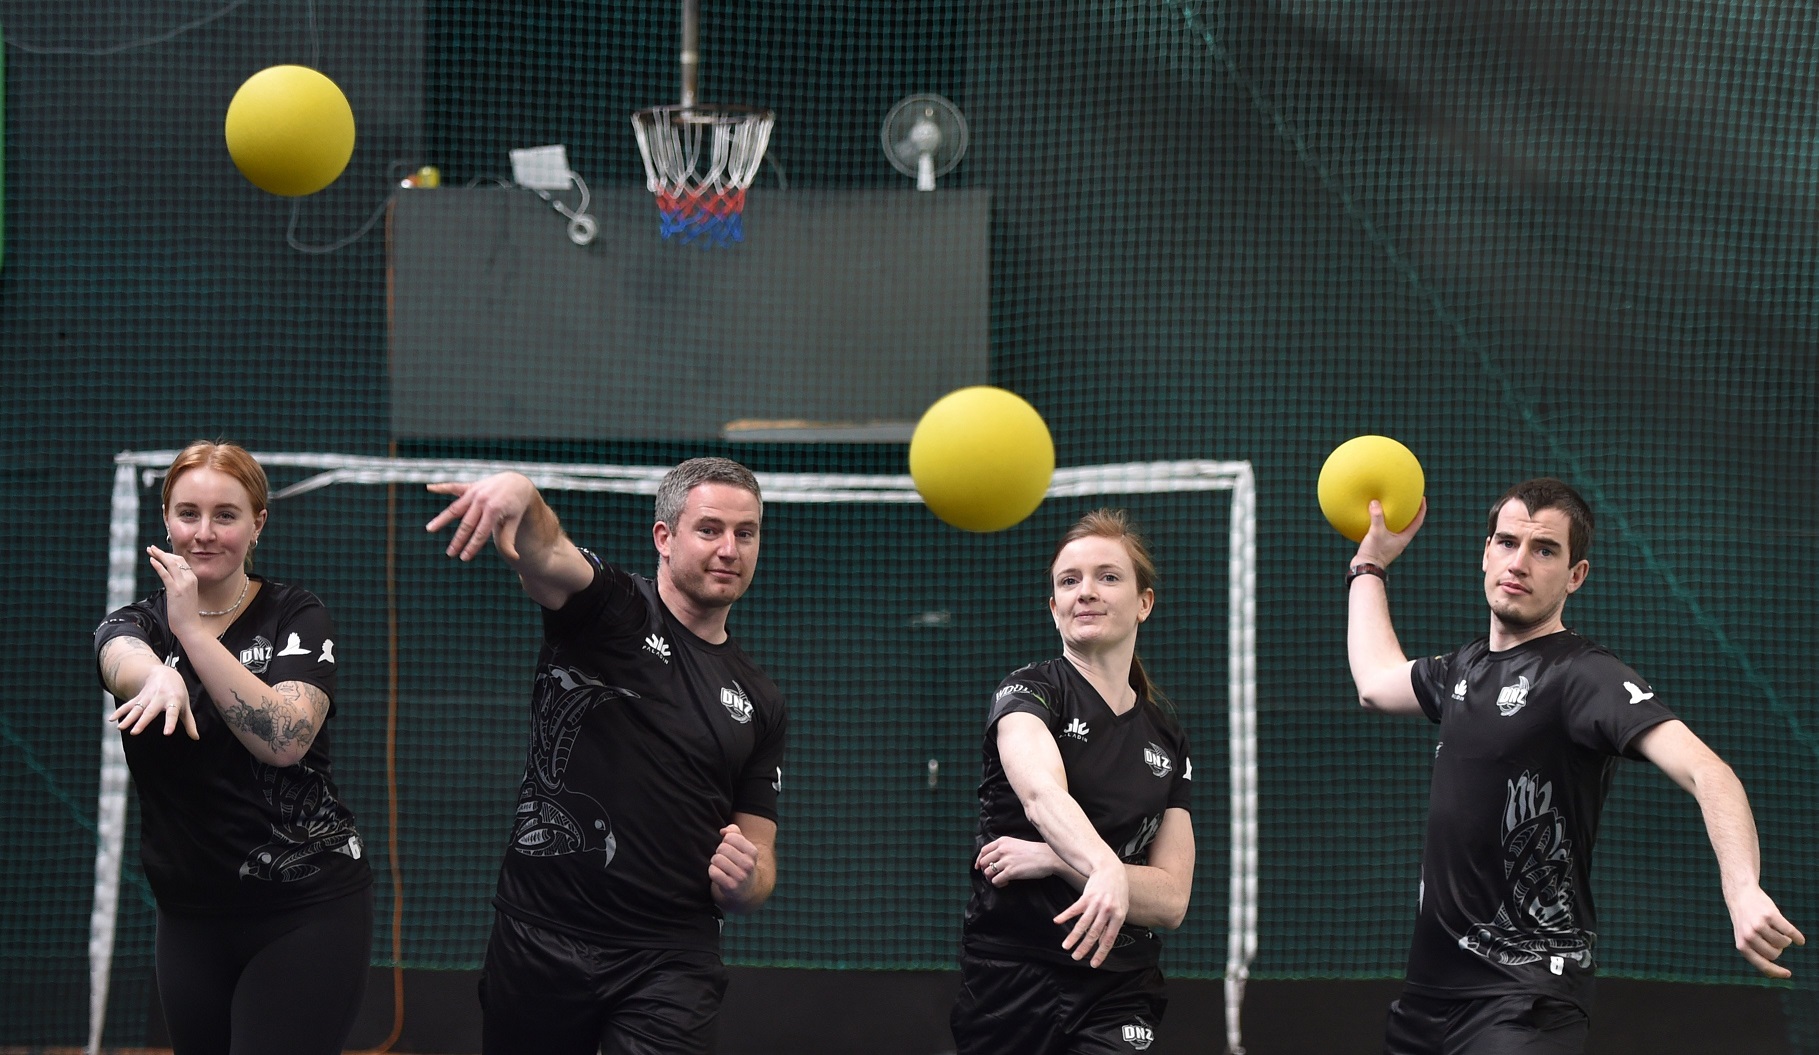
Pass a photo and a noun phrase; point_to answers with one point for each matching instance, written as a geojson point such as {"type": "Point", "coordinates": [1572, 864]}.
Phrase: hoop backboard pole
{"type": "Point", "coordinates": [691, 51]}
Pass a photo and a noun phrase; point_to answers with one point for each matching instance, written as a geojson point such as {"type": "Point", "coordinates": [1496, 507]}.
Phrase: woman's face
{"type": "Point", "coordinates": [212, 524]}
{"type": "Point", "coordinates": [1096, 602]}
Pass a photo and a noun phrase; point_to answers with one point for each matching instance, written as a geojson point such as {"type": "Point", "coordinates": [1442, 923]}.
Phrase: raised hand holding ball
{"type": "Point", "coordinates": [1365, 468]}
{"type": "Point", "coordinates": [982, 458]}
{"type": "Point", "coordinates": [290, 130]}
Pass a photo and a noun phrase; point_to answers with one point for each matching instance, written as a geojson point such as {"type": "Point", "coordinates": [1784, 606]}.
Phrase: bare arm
{"type": "Point", "coordinates": [508, 509]}
{"type": "Point", "coordinates": [147, 688]}
{"type": "Point", "coordinates": [744, 867]}
{"type": "Point", "coordinates": [1761, 932]}
{"type": "Point", "coordinates": [127, 663]}
{"type": "Point", "coordinates": [1032, 761]}
{"type": "Point", "coordinates": [1380, 670]}
{"type": "Point", "coordinates": [275, 723]}
{"type": "Point", "coordinates": [1159, 890]}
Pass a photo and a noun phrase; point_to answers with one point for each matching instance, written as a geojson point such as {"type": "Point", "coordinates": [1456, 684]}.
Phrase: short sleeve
{"type": "Point", "coordinates": [761, 782]}
{"type": "Point", "coordinates": [308, 652]}
{"type": "Point", "coordinates": [1608, 705]}
{"type": "Point", "coordinates": [1023, 692]}
{"type": "Point", "coordinates": [133, 621]}
{"type": "Point", "coordinates": [1429, 676]}
{"type": "Point", "coordinates": [1181, 792]}
{"type": "Point", "coordinates": [609, 600]}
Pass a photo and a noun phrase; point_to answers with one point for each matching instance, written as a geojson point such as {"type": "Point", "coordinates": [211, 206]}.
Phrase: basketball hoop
{"type": "Point", "coordinates": [698, 161]}
{"type": "Point", "coordinates": [698, 157]}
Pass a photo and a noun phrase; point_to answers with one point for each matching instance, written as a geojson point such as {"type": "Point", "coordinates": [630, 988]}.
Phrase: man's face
{"type": "Point", "coordinates": [711, 555]}
{"type": "Point", "coordinates": [1527, 572]}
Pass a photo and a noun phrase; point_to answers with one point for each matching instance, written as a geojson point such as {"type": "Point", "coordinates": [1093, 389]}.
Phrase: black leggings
{"type": "Point", "coordinates": [284, 983]}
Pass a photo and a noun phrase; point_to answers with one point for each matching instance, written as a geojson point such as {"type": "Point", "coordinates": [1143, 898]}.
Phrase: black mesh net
{"type": "Point", "coordinates": [1525, 238]}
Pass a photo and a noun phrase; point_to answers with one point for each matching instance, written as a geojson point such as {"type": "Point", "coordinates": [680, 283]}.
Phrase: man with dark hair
{"type": "Point", "coordinates": [649, 801]}
{"type": "Point", "coordinates": [1532, 721]}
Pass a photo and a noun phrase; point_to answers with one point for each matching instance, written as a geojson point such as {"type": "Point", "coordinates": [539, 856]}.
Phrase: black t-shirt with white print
{"type": "Point", "coordinates": [222, 832]}
{"type": "Point", "coordinates": [645, 740]}
{"type": "Point", "coordinates": [1529, 742]}
{"type": "Point", "coordinates": [1124, 770]}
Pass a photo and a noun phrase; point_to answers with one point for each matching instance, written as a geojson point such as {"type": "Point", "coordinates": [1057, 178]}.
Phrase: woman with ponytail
{"type": "Point", "coordinates": [1085, 847]}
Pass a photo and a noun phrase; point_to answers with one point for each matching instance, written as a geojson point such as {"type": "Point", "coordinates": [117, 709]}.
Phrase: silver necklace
{"type": "Point", "coordinates": [246, 581]}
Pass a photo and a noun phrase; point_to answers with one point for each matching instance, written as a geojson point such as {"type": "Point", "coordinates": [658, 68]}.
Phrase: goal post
{"type": "Point", "coordinates": [136, 472]}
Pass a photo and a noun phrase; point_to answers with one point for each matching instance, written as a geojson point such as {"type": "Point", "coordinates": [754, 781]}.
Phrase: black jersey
{"type": "Point", "coordinates": [221, 831]}
{"type": "Point", "coordinates": [645, 740]}
{"type": "Point", "coordinates": [1124, 770]}
{"type": "Point", "coordinates": [1529, 742]}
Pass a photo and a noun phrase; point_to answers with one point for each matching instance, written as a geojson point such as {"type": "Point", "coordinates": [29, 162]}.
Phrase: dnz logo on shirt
{"type": "Point", "coordinates": [1512, 698]}
{"type": "Point", "coordinates": [736, 704]}
{"type": "Point", "coordinates": [257, 656]}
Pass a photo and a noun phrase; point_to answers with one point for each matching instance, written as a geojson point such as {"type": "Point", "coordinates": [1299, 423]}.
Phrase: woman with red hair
{"type": "Point", "coordinates": [1085, 846]}
{"type": "Point", "coordinates": [264, 895]}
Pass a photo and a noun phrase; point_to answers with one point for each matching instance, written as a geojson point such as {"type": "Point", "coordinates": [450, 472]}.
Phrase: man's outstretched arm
{"type": "Point", "coordinates": [1762, 933]}
{"type": "Point", "coordinates": [508, 509]}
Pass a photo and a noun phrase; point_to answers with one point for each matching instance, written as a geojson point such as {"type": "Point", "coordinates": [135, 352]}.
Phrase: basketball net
{"type": "Point", "coordinates": [698, 161]}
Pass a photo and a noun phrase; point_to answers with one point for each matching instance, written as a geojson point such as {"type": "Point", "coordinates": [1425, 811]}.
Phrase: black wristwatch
{"type": "Point", "coordinates": [1364, 567]}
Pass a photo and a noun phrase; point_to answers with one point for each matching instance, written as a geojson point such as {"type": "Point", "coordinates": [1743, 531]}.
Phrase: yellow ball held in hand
{"type": "Point", "coordinates": [290, 130]}
{"type": "Point", "coordinates": [1367, 467]}
{"type": "Point", "coordinates": [982, 458]}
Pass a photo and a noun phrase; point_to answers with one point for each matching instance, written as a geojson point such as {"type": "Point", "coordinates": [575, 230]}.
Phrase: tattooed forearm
{"type": "Point", "coordinates": [114, 656]}
{"type": "Point", "coordinates": [278, 723]}
{"type": "Point", "coordinates": [110, 667]}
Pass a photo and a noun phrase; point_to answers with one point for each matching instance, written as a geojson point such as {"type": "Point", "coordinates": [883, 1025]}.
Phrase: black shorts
{"type": "Point", "coordinates": [1492, 1025]}
{"type": "Point", "coordinates": [546, 993]}
{"type": "Point", "coordinates": [1054, 1009]}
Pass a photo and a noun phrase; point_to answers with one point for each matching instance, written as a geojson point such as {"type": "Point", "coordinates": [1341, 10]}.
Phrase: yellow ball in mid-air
{"type": "Point", "coordinates": [290, 130]}
{"type": "Point", "coordinates": [1367, 467]}
{"type": "Point", "coordinates": [982, 458]}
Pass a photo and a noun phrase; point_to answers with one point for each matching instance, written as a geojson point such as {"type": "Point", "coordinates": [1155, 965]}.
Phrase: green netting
{"type": "Point", "coordinates": [1521, 238]}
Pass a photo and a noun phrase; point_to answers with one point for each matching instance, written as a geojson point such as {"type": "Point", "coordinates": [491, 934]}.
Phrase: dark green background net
{"type": "Point", "coordinates": [1523, 238]}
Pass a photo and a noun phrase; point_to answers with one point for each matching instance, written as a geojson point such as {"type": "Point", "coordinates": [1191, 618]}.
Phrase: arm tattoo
{"type": "Point", "coordinates": [114, 654]}
{"type": "Point", "coordinates": [289, 719]}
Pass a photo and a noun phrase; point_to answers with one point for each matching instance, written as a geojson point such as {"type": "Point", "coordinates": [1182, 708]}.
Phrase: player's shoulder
{"type": "Point", "coordinates": [615, 598]}
{"type": "Point", "coordinates": [617, 577]}
{"type": "Point", "coordinates": [1465, 655]}
{"type": "Point", "coordinates": [1166, 720]}
{"type": "Point", "coordinates": [1570, 646]}
{"type": "Point", "coordinates": [1037, 682]}
{"type": "Point", "coordinates": [1582, 657]}
{"type": "Point", "coordinates": [145, 615]}
{"type": "Point", "coordinates": [760, 683]}
{"type": "Point", "coordinates": [286, 602]}
{"type": "Point", "coordinates": [284, 593]}
{"type": "Point", "coordinates": [1039, 675]}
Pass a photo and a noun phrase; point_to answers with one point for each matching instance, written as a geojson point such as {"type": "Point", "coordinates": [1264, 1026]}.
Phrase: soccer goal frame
{"type": "Point", "coordinates": [135, 471]}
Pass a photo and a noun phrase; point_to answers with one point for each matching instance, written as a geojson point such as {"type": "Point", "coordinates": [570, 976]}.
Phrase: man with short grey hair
{"type": "Point", "coordinates": [649, 801]}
